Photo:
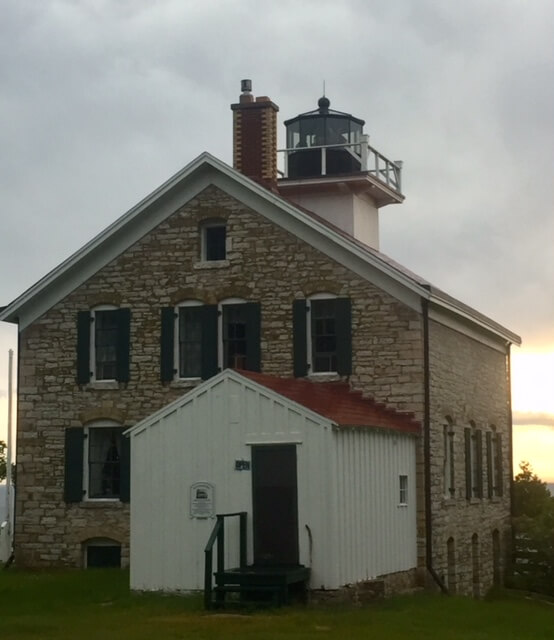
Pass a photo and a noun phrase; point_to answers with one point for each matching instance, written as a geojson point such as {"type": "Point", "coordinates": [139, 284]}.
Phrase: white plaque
{"type": "Point", "coordinates": [202, 503]}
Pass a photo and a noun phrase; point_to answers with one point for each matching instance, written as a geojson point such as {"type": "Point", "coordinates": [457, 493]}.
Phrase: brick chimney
{"type": "Point", "coordinates": [255, 136]}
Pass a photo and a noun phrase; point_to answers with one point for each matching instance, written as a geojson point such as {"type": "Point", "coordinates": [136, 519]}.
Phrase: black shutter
{"type": "Point", "coordinates": [123, 344]}
{"type": "Point", "coordinates": [253, 336]}
{"type": "Point", "coordinates": [167, 345]}
{"type": "Point", "coordinates": [479, 462]}
{"type": "Point", "coordinates": [490, 479]}
{"type": "Point", "coordinates": [343, 309]}
{"type": "Point", "coordinates": [499, 473]}
{"type": "Point", "coordinates": [125, 469]}
{"type": "Point", "coordinates": [209, 341]}
{"type": "Point", "coordinates": [73, 476]}
{"type": "Point", "coordinates": [299, 339]}
{"type": "Point", "coordinates": [467, 442]}
{"type": "Point", "coordinates": [83, 347]}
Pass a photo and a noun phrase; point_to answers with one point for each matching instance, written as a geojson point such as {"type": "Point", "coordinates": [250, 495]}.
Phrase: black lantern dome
{"type": "Point", "coordinates": [309, 132]}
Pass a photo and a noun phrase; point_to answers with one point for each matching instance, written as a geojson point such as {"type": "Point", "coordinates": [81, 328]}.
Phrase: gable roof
{"type": "Point", "coordinates": [202, 172]}
{"type": "Point", "coordinates": [332, 401]}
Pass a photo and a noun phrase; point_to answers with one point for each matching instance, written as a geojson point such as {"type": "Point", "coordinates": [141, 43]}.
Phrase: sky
{"type": "Point", "coordinates": [102, 100]}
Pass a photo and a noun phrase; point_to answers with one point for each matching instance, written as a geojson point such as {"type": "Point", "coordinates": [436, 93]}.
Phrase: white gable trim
{"type": "Point", "coordinates": [227, 374]}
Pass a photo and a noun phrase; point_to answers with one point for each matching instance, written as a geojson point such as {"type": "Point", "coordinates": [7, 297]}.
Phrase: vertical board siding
{"type": "Point", "coordinates": [349, 525]}
{"type": "Point", "coordinates": [376, 536]}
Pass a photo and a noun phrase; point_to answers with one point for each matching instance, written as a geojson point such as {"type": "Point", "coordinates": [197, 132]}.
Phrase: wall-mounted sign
{"type": "Point", "coordinates": [242, 465]}
{"type": "Point", "coordinates": [202, 503]}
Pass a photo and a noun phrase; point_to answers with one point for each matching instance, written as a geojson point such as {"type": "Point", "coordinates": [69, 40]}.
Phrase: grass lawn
{"type": "Point", "coordinates": [97, 604]}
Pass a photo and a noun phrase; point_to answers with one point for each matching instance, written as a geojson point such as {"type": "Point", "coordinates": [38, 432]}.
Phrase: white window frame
{"type": "Point", "coordinates": [92, 346]}
{"type": "Point", "coordinates": [98, 424]}
{"type": "Point", "coordinates": [403, 488]}
{"type": "Point", "coordinates": [309, 348]}
{"type": "Point", "coordinates": [176, 355]}
{"type": "Point", "coordinates": [220, 305]}
{"type": "Point", "coordinates": [210, 224]}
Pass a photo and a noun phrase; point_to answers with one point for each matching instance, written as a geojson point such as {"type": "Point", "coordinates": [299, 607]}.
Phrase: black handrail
{"type": "Point", "coordinates": [218, 535]}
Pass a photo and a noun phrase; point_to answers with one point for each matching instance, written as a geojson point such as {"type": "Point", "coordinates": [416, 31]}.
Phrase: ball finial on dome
{"type": "Point", "coordinates": [323, 103]}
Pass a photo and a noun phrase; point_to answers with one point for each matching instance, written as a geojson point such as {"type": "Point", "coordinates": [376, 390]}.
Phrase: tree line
{"type": "Point", "coordinates": [533, 533]}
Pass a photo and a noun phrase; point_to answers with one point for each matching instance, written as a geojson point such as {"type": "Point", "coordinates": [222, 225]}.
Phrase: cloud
{"type": "Point", "coordinates": [531, 418]}
{"type": "Point", "coordinates": [104, 101]}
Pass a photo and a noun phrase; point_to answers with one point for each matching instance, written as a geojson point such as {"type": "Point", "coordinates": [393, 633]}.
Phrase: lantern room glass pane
{"type": "Point", "coordinates": [337, 131]}
{"type": "Point", "coordinates": [293, 135]}
{"type": "Point", "coordinates": [356, 131]}
{"type": "Point", "coordinates": [312, 132]}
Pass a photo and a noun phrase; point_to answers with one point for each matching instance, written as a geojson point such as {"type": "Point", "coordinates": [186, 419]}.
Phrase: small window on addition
{"type": "Point", "coordinates": [403, 492]}
{"type": "Point", "coordinates": [214, 237]}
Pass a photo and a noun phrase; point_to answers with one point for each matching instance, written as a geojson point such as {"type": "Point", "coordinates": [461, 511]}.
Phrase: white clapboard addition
{"type": "Point", "coordinates": [353, 521]}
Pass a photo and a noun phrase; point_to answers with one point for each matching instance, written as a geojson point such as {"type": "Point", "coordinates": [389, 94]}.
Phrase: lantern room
{"type": "Point", "coordinates": [322, 142]}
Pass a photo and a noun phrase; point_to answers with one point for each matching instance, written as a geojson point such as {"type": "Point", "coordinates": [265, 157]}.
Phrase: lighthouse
{"type": "Point", "coordinates": [327, 167]}
{"type": "Point", "coordinates": [331, 169]}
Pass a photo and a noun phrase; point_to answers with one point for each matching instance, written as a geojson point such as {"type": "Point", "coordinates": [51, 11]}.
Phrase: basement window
{"type": "Point", "coordinates": [102, 553]}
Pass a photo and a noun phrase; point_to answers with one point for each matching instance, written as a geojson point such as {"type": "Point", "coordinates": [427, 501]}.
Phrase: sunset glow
{"type": "Point", "coordinates": [533, 408]}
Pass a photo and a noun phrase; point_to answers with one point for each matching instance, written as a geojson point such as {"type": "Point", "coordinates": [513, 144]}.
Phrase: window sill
{"type": "Point", "coordinates": [184, 383]}
{"type": "Point", "coordinates": [324, 375]}
{"type": "Point", "coordinates": [103, 384]}
{"type": "Point", "coordinates": [449, 502]}
{"type": "Point", "coordinates": [101, 503]}
{"type": "Point", "coordinates": [402, 505]}
{"type": "Point", "coordinates": [211, 264]}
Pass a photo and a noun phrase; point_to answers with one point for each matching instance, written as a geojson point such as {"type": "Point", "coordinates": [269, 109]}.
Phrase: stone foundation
{"type": "Point", "coordinates": [369, 590]}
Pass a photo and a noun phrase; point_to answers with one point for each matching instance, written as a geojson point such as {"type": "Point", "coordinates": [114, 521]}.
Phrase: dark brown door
{"type": "Point", "coordinates": [275, 510]}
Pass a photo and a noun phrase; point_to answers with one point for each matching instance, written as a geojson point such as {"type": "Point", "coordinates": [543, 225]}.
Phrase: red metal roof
{"type": "Point", "coordinates": [335, 401]}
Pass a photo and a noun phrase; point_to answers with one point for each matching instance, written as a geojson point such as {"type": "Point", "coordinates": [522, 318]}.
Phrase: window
{"type": "Point", "coordinates": [103, 345]}
{"type": "Point", "coordinates": [494, 463]}
{"type": "Point", "coordinates": [234, 331]}
{"type": "Point", "coordinates": [199, 340]}
{"type": "Point", "coordinates": [102, 462]}
{"type": "Point", "coordinates": [403, 490]}
{"type": "Point", "coordinates": [448, 465]}
{"type": "Point", "coordinates": [496, 558]}
{"type": "Point", "coordinates": [102, 553]}
{"type": "Point", "coordinates": [322, 337]}
{"type": "Point", "coordinates": [214, 240]}
{"type": "Point", "coordinates": [476, 565]}
{"type": "Point", "coordinates": [96, 462]}
{"type": "Point", "coordinates": [451, 566]}
{"type": "Point", "coordinates": [474, 462]}
{"type": "Point", "coordinates": [189, 320]}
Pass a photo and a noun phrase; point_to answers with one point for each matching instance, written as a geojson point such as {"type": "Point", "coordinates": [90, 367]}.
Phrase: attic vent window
{"type": "Point", "coordinates": [214, 241]}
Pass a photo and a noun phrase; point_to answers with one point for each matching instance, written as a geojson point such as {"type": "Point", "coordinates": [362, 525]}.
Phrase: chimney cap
{"type": "Point", "coordinates": [246, 86]}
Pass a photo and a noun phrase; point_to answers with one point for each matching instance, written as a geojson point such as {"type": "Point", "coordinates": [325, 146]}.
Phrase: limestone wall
{"type": "Point", "coordinates": [469, 383]}
{"type": "Point", "coordinates": [264, 263]}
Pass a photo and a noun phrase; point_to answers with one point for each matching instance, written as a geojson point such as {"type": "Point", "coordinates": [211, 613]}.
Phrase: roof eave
{"type": "Point", "coordinates": [463, 311]}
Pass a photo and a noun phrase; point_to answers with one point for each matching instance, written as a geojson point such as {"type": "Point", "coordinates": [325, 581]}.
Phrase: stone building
{"type": "Point", "coordinates": [278, 273]}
